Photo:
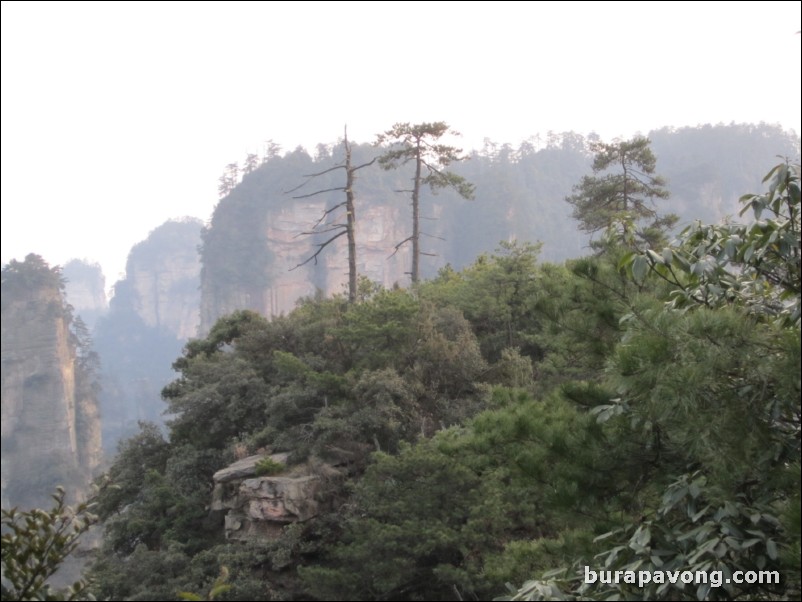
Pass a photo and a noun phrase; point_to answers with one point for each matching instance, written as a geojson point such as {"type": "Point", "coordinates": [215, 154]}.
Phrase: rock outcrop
{"type": "Point", "coordinates": [50, 420]}
{"type": "Point", "coordinates": [257, 507]}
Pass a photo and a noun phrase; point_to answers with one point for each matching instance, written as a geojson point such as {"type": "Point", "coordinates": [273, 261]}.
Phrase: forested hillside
{"type": "Point", "coordinates": [511, 421]}
{"type": "Point", "coordinates": [572, 384]}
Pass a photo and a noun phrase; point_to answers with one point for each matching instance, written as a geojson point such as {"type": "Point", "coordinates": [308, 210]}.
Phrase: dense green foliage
{"type": "Point", "coordinates": [35, 543]}
{"type": "Point", "coordinates": [621, 411]}
{"type": "Point", "coordinates": [711, 381]}
{"type": "Point", "coordinates": [32, 277]}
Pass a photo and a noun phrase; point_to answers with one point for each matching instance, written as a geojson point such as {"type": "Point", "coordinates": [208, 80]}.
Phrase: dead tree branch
{"type": "Point", "coordinates": [320, 247]}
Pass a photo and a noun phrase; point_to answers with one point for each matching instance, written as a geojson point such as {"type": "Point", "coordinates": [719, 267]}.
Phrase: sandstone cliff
{"type": "Point", "coordinates": [275, 288]}
{"type": "Point", "coordinates": [50, 422]}
{"type": "Point", "coordinates": [153, 312]}
{"type": "Point", "coordinates": [86, 290]}
{"type": "Point", "coordinates": [254, 242]}
{"type": "Point", "coordinates": [162, 279]}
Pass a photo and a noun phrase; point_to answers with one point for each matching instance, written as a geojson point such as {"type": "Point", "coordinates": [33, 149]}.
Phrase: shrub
{"type": "Point", "coordinates": [268, 466]}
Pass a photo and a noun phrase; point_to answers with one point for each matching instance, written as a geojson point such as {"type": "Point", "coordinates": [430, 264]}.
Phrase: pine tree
{"type": "Point", "coordinates": [623, 188]}
{"type": "Point", "coordinates": [418, 143]}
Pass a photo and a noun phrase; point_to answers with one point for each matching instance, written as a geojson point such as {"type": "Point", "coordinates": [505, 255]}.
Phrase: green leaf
{"type": "Point", "coordinates": [658, 259]}
{"type": "Point", "coordinates": [626, 260]}
{"type": "Point", "coordinates": [640, 267]}
{"type": "Point", "coordinates": [700, 514]}
{"type": "Point", "coordinates": [604, 536]}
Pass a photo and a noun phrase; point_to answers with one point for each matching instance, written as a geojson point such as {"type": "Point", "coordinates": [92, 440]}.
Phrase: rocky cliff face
{"type": "Point", "coordinates": [276, 287]}
{"type": "Point", "coordinates": [153, 312]}
{"type": "Point", "coordinates": [254, 244]}
{"type": "Point", "coordinates": [162, 278]}
{"type": "Point", "coordinates": [86, 290]}
{"type": "Point", "coordinates": [50, 421]}
{"type": "Point", "coordinates": [257, 507]}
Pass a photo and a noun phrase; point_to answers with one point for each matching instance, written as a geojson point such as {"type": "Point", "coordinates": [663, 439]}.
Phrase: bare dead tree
{"type": "Point", "coordinates": [327, 223]}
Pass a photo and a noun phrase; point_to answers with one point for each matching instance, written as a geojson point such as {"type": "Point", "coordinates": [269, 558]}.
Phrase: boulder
{"type": "Point", "coordinates": [257, 507]}
{"type": "Point", "coordinates": [245, 468]}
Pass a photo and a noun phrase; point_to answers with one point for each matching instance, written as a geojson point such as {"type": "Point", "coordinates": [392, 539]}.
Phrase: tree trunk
{"type": "Point", "coordinates": [416, 217]}
{"type": "Point", "coordinates": [350, 224]}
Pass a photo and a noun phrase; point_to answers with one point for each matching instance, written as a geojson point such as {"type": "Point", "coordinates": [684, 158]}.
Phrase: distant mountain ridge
{"type": "Point", "coordinates": [154, 311]}
{"type": "Point", "coordinates": [253, 240]}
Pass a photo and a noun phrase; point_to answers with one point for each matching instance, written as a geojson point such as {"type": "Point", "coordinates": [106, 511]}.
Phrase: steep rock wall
{"type": "Point", "coordinates": [154, 311]}
{"type": "Point", "coordinates": [86, 290]}
{"type": "Point", "coordinates": [254, 246]}
{"type": "Point", "coordinates": [50, 421]}
{"type": "Point", "coordinates": [163, 277]}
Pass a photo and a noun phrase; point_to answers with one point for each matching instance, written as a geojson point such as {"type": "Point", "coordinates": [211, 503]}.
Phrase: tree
{"type": "Point", "coordinates": [228, 181]}
{"type": "Point", "coordinates": [272, 150]}
{"type": "Point", "coordinates": [31, 273]}
{"type": "Point", "coordinates": [349, 227]}
{"type": "Point", "coordinates": [623, 187]}
{"type": "Point", "coordinates": [709, 382]}
{"type": "Point", "coordinates": [510, 475]}
{"type": "Point", "coordinates": [35, 543]}
{"type": "Point", "coordinates": [418, 143]}
{"type": "Point", "coordinates": [497, 294]}
{"type": "Point", "coordinates": [756, 266]}
{"type": "Point", "coordinates": [251, 163]}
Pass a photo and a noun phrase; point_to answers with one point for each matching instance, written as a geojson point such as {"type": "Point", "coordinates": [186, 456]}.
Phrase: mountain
{"type": "Point", "coordinates": [50, 420]}
{"type": "Point", "coordinates": [154, 311]}
{"type": "Point", "coordinates": [254, 247]}
{"type": "Point", "coordinates": [86, 290]}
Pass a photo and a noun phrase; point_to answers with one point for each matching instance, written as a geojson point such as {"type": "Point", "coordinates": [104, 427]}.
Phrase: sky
{"type": "Point", "coordinates": [117, 116]}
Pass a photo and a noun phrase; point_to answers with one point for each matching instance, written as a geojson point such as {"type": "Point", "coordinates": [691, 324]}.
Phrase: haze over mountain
{"type": "Point", "coordinates": [255, 255]}
{"type": "Point", "coordinates": [183, 277]}
{"type": "Point", "coordinates": [120, 124]}
{"type": "Point", "coordinates": [296, 410]}
{"type": "Point", "coordinates": [153, 313]}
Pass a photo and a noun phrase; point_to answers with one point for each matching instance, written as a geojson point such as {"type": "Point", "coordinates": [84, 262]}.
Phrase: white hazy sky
{"type": "Point", "coordinates": [118, 116]}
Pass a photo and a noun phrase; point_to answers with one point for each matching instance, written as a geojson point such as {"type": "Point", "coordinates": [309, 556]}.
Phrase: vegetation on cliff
{"type": "Point", "coordinates": [252, 241]}
{"type": "Point", "coordinates": [501, 425]}
{"type": "Point", "coordinates": [629, 409]}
